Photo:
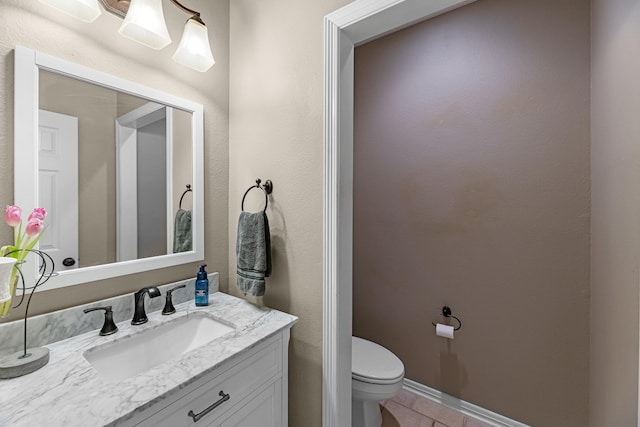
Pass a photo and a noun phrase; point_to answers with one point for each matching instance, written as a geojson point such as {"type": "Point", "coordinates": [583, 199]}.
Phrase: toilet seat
{"type": "Point", "coordinates": [374, 364]}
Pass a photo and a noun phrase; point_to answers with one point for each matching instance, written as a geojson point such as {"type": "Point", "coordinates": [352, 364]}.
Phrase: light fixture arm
{"type": "Point", "coordinates": [120, 8]}
{"type": "Point", "coordinates": [196, 15]}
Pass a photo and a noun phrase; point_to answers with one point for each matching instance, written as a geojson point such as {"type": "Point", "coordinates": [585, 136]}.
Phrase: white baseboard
{"type": "Point", "coordinates": [466, 408]}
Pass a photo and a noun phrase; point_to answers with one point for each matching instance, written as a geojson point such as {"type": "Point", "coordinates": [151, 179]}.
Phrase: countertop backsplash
{"type": "Point", "coordinates": [59, 325]}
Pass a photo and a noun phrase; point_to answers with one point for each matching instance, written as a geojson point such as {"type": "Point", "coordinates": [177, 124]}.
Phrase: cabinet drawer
{"type": "Point", "coordinates": [237, 382]}
{"type": "Point", "coordinates": [263, 409]}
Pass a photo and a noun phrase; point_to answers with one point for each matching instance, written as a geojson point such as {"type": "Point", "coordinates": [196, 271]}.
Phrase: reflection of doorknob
{"type": "Point", "coordinates": [68, 262]}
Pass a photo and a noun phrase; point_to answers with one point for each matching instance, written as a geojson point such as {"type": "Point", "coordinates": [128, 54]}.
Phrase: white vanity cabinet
{"type": "Point", "coordinates": [249, 391]}
{"type": "Point", "coordinates": [248, 363]}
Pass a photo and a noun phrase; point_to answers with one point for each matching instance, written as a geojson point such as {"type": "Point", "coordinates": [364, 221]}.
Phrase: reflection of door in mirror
{"type": "Point", "coordinates": [58, 181]}
{"type": "Point", "coordinates": [134, 160]}
{"type": "Point", "coordinates": [144, 141]}
{"type": "Point", "coordinates": [96, 110]}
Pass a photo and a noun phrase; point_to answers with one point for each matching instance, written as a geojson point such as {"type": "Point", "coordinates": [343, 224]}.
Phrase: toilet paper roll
{"type": "Point", "coordinates": [444, 331]}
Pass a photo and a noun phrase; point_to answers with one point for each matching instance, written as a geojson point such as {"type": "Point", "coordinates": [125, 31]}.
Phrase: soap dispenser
{"type": "Point", "coordinates": [202, 287]}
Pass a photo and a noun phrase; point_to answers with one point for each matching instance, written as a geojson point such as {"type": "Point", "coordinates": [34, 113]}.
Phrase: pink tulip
{"type": "Point", "coordinates": [34, 226]}
{"type": "Point", "coordinates": [12, 215]}
{"type": "Point", "coordinates": [39, 213]}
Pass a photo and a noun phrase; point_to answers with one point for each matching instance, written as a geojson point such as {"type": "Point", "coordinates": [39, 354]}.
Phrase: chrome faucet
{"type": "Point", "coordinates": [139, 315]}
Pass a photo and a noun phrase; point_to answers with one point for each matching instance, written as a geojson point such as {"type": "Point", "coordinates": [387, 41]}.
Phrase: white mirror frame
{"type": "Point", "coordinates": [352, 25]}
{"type": "Point", "coordinates": [28, 62]}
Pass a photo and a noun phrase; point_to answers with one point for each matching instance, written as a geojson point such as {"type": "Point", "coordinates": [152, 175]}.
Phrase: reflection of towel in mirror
{"type": "Point", "coordinates": [182, 231]}
{"type": "Point", "coordinates": [253, 251]}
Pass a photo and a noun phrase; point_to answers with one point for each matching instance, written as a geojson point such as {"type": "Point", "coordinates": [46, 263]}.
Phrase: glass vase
{"type": "Point", "coordinates": [8, 279]}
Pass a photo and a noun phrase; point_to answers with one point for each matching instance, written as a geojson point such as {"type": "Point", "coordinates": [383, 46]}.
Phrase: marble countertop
{"type": "Point", "coordinates": [68, 391]}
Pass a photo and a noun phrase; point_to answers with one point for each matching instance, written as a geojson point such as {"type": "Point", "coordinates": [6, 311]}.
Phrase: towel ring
{"type": "Point", "coordinates": [267, 187]}
{"type": "Point", "coordinates": [182, 197]}
{"type": "Point", "coordinates": [446, 312]}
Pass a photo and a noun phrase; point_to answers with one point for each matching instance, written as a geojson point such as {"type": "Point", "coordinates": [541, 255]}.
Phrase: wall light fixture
{"type": "Point", "coordinates": [144, 23]}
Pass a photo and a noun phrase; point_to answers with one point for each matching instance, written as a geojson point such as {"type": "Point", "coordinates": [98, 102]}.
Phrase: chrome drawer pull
{"type": "Point", "coordinates": [197, 417]}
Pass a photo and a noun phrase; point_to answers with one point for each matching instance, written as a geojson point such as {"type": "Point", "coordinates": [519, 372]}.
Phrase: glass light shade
{"type": "Point", "coordinates": [145, 24]}
{"type": "Point", "coordinates": [84, 10]}
{"type": "Point", "coordinates": [194, 50]}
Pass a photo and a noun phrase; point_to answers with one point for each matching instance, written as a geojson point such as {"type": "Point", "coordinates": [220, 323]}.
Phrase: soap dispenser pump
{"type": "Point", "coordinates": [202, 287]}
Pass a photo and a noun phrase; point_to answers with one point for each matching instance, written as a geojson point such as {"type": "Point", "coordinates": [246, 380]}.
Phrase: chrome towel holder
{"type": "Point", "coordinates": [267, 187]}
{"type": "Point", "coordinates": [446, 312]}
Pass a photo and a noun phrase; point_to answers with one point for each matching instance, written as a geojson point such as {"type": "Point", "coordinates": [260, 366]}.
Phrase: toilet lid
{"type": "Point", "coordinates": [373, 363]}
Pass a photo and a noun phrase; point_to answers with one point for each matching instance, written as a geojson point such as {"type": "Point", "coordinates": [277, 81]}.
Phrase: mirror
{"type": "Point", "coordinates": [113, 162]}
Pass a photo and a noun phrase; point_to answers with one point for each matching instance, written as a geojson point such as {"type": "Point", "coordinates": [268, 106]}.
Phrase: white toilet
{"type": "Point", "coordinates": [376, 375]}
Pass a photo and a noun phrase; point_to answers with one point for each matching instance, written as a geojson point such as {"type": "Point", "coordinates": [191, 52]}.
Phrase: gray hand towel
{"type": "Point", "coordinates": [182, 239]}
{"type": "Point", "coordinates": [253, 251]}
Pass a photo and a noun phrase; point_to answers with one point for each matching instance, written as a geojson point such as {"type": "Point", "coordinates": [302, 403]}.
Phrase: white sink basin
{"type": "Point", "coordinates": [135, 354]}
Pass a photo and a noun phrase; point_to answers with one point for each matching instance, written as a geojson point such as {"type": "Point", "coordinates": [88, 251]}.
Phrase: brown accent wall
{"type": "Point", "coordinates": [472, 189]}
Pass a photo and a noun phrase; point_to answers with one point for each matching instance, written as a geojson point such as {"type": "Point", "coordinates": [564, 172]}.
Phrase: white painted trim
{"type": "Point", "coordinates": [469, 409]}
{"type": "Point", "coordinates": [284, 399]}
{"type": "Point", "coordinates": [337, 313]}
{"type": "Point", "coordinates": [25, 130]}
{"type": "Point", "coordinates": [366, 20]}
{"type": "Point", "coordinates": [354, 24]}
{"type": "Point", "coordinates": [168, 115]}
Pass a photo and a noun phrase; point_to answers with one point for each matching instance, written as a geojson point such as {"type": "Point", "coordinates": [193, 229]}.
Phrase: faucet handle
{"type": "Point", "coordinates": [109, 327]}
{"type": "Point", "coordinates": [168, 305]}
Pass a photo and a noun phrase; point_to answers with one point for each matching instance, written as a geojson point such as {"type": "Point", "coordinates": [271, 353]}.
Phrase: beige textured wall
{"type": "Point", "coordinates": [615, 212]}
{"type": "Point", "coordinates": [182, 156]}
{"type": "Point", "coordinates": [276, 133]}
{"type": "Point", "coordinates": [471, 189]}
{"type": "Point", "coordinates": [98, 45]}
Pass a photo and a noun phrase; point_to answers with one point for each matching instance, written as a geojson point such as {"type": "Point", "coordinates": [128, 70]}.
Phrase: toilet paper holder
{"type": "Point", "coordinates": [446, 312]}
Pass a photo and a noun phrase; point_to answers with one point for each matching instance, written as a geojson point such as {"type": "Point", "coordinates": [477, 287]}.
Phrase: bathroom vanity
{"type": "Point", "coordinates": [254, 383]}
{"type": "Point", "coordinates": [224, 364]}
{"type": "Point", "coordinates": [147, 375]}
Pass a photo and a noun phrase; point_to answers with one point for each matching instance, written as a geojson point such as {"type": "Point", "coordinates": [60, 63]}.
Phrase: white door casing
{"type": "Point", "coordinates": [350, 26]}
{"type": "Point", "coordinates": [58, 181]}
{"type": "Point", "coordinates": [126, 177]}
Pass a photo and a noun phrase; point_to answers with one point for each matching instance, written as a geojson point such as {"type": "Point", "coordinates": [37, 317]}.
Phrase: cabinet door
{"type": "Point", "coordinates": [263, 410]}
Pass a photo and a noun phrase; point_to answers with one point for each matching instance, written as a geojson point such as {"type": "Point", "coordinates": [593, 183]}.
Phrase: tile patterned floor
{"type": "Point", "coordinates": [408, 410]}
